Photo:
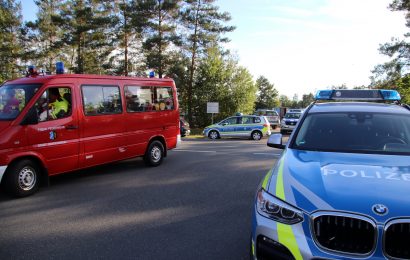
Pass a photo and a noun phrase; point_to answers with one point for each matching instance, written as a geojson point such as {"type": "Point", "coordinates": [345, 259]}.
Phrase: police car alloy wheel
{"type": "Point", "coordinates": [213, 135]}
{"type": "Point", "coordinates": [256, 135]}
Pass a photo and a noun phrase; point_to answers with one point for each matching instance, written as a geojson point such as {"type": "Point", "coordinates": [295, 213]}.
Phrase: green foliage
{"type": "Point", "coordinates": [220, 79]}
{"type": "Point", "coordinates": [403, 86]}
{"type": "Point", "coordinates": [160, 33]}
{"type": "Point", "coordinates": [203, 27]}
{"type": "Point", "coordinates": [393, 74]}
{"type": "Point", "coordinates": [267, 94]}
{"type": "Point", "coordinates": [10, 44]}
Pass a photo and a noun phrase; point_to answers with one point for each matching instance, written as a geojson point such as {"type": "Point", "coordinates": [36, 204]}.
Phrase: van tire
{"type": "Point", "coordinates": [154, 154]}
{"type": "Point", "coordinates": [22, 178]}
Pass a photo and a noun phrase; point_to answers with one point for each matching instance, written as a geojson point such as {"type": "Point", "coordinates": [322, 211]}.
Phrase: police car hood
{"type": "Point", "coordinates": [348, 182]}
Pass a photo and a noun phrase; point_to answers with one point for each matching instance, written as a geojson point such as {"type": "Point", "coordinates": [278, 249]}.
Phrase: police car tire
{"type": "Point", "coordinates": [256, 137]}
{"type": "Point", "coordinates": [22, 178]}
{"type": "Point", "coordinates": [154, 154]}
{"type": "Point", "coordinates": [212, 136]}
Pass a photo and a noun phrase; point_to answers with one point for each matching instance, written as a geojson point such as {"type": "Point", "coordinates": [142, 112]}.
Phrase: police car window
{"type": "Point", "coordinates": [247, 120]}
{"type": "Point", "coordinates": [101, 100]}
{"type": "Point", "coordinates": [230, 121]}
{"type": "Point", "coordinates": [256, 120]}
{"type": "Point", "coordinates": [355, 132]}
{"type": "Point", "coordinates": [54, 103]}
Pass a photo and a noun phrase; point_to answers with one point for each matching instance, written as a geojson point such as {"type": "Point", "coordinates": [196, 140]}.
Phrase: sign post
{"type": "Point", "coordinates": [212, 108]}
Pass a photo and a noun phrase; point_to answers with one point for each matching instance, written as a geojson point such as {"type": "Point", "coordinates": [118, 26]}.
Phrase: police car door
{"type": "Point", "coordinates": [228, 127]}
{"type": "Point", "coordinates": [56, 136]}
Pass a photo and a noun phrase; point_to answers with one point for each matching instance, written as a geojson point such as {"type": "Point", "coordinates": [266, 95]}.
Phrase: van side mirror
{"type": "Point", "coordinates": [275, 141]}
{"type": "Point", "coordinates": [31, 117]}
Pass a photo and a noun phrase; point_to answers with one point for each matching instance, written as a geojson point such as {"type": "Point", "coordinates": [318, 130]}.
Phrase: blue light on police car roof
{"type": "Point", "coordinates": [323, 94]}
{"type": "Point", "coordinates": [390, 94]}
{"type": "Point", "coordinates": [151, 74]}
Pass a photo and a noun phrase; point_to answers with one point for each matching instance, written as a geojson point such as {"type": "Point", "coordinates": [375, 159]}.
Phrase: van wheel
{"type": "Point", "coordinates": [213, 135]}
{"type": "Point", "coordinates": [22, 178]}
{"type": "Point", "coordinates": [154, 154]}
{"type": "Point", "coordinates": [256, 135]}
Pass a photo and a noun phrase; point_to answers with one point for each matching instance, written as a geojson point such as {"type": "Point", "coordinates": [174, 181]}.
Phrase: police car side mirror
{"type": "Point", "coordinates": [31, 117]}
{"type": "Point", "coordinates": [275, 141]}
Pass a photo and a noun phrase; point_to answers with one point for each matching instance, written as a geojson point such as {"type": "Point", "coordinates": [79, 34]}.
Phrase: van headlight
{"type": "Point", "coordinates": [276, 209]}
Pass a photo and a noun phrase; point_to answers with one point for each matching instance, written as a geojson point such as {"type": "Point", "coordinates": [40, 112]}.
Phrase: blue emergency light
{"type": "Point", "coordinates": [151, 74]}
{"type": "Point", "coordinates": [59, 67]}
{"type": "Point", "coordinates": [355, 94]}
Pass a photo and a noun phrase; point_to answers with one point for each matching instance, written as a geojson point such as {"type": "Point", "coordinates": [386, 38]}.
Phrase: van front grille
{"type": "Point", "coordinates": [345, 234]}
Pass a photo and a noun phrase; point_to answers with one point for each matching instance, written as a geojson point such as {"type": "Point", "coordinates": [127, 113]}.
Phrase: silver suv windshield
{"type": "Point", "coordinates": [13, 99]}
{"type": "Point", "coordinates": [355, 132]}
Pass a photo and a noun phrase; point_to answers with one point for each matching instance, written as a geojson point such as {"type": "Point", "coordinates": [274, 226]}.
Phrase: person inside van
{"type": "Point", "coordinates": [12, 103]}
{"type": "Point", "coordinates": [57, 106]}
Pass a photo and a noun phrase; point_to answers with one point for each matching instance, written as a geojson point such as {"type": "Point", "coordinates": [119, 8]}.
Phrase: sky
{"type": "Point", "coordinates": [302, 46]}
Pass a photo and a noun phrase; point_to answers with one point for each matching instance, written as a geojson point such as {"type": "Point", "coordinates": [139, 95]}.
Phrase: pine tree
{"type": "Point", "coordinates": [204, 26]}
{"type": "Point", "coordinates": [268, 95]}
{"type": "Point", "coordinates": [132, 17]}
{"type": "Point", "coordinates": [10, 49]}
{"type": "Point", "coordinates": [160, 33]}
{"type": "Point", "coordinates": [43, 36]}
{"type": "Point", "coordinates": [88, 34]}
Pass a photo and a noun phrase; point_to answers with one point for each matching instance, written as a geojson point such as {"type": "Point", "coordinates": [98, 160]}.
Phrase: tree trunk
{"type": "Point", "coordinates": [193, 60]}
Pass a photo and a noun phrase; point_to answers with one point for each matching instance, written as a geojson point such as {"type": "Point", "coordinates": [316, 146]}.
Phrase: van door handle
{"type": "Point", "coordinates": [71, 127]}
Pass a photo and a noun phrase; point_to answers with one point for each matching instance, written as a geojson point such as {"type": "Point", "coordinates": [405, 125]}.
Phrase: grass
{"type": "Point", "coordinates": [196, 133]}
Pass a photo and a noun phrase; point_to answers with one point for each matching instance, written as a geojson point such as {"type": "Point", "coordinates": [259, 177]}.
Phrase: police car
{"type": "Point", "coordinates": [249, 126]}
{"type": "Point", "coordinates": [290, 120]}
{"type": "Point", "coordinates": [340, 189]}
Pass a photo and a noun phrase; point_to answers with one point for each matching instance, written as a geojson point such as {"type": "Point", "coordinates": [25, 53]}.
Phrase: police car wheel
{"type": "Point", "coordinates": [154, 154]}
{"type": "Point", "coordinates": [256, 135]}
{"type": "Point", "coordinates": [22, 178]}
{"type": "Point", "coordinates": [213, 135]}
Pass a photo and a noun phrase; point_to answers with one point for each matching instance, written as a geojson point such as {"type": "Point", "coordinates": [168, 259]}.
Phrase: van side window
{"type": "Point", "coordinates": [163, 98]}
{"type": "Point", "coordinates": [101, 100]}
{"type": "Point", "coordinates": [54, 103]}
{"type": "Point", "coordinates": [138, 99]}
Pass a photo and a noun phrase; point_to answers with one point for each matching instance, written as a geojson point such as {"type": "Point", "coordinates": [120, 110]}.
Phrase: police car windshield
{"type": "Point", "coordinates": [292, 115]}
{"type": "Point", "coordinates": [13, 99]}
{"type": "Point", "coordinates": [361, 132]}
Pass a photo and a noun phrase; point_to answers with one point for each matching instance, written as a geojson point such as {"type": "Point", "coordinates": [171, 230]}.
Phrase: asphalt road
{"type": "Point", "coordinates": [196, 205]}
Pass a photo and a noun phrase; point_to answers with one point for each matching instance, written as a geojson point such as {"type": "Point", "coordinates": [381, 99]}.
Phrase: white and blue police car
{"type": "Point", "coordinates": [341, 187]}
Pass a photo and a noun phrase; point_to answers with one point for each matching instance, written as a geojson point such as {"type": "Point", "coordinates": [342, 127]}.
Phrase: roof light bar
{"type": "Point", "coordinates": [363, 95]}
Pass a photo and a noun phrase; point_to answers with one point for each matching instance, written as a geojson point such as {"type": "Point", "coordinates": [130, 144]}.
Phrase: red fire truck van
{"type": "Point", "coordinates": [59, 123]}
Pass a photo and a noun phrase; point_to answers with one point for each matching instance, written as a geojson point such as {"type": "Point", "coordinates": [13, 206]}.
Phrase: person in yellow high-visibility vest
{"type": "Point", "coordinates": [59, 105]}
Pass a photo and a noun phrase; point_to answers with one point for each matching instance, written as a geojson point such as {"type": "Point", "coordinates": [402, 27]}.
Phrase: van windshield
{"type": "Point", "coordinates": [13, 99]}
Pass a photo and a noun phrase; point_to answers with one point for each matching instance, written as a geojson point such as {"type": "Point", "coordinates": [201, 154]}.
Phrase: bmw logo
{"type": "Point", "coordinates": [380, 209]}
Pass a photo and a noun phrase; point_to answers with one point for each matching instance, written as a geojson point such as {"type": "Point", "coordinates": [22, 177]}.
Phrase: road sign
{"type": "Point", "coordinates": [212, 107]}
